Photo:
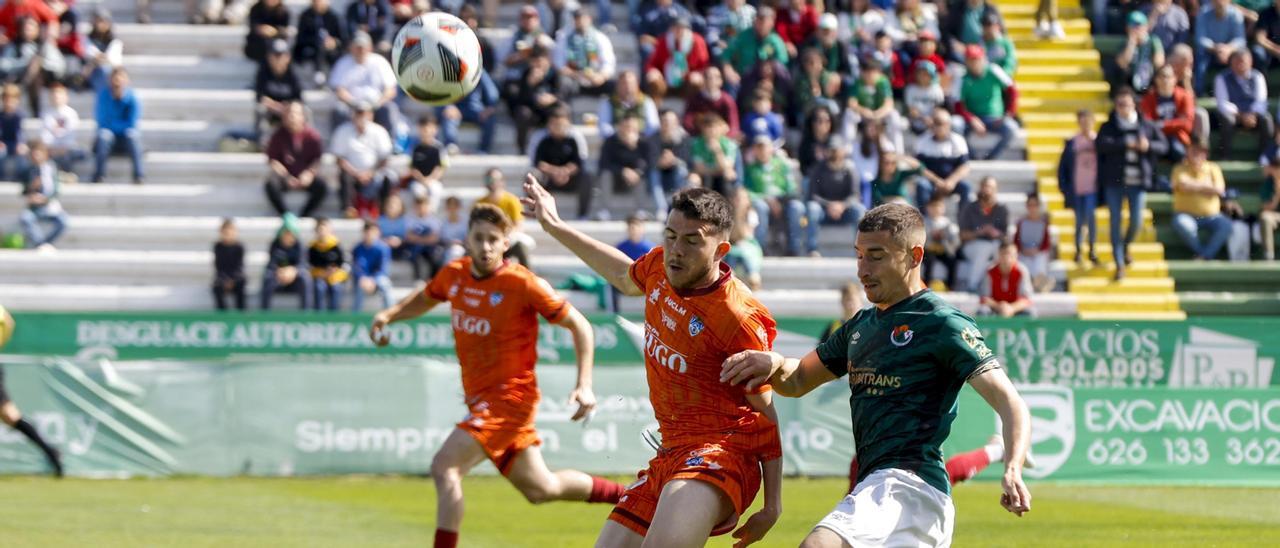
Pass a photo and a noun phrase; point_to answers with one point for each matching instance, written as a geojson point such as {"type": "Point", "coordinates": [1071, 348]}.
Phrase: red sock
{"type": "Point", "coordinates": [603, 490]}
{"type": "Point", "coordinates": [967, 465]}
{"type": "Point", "coordinates": [446, 539]}
{"type": "Point", "coordinates": [853, 473]}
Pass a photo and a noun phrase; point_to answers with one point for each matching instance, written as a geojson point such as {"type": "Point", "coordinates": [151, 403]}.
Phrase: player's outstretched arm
{"type": "Point", "coordinates": [610, 263]}
{"type": "Point", "coordinates": [759, 524]}
{"type": "Point", "coordinates": [995, 387]}
{"type": "Point", "coordinates": [416, 304]}
{"type": "Point", "coordinates": [790, 377]}
{"type": "Point", "coordinates": [584, 348]}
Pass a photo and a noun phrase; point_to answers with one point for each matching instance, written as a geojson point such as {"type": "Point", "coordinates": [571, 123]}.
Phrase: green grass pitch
{"type": "Point", "coordinates": [379, 511]}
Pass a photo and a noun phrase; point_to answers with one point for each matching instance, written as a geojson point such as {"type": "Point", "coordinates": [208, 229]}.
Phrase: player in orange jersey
{"type": "Point", "coordinates": [718, 441]}
{"type": "Point", "coordinates": [495, 326]}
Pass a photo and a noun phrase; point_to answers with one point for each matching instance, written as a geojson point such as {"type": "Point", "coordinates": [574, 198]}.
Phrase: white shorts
{"type": "Point", "coordinates": [893, 508]}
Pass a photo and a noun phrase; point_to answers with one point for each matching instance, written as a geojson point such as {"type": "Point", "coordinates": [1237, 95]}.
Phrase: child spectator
{"type": "Point", "coordinates": [58, 131]}
{"type": "Point", "coordinates": [625, 162]}
{"type": "Point", "coordinates": [884, 55]}
{"type": "Point", "coordinates": [428, 162]}
{"type": "Point", "coordinates": [362, 149]}
{"type": "Point", "coordinates": [11, 143]}
{"type": "Point", "coordinates": [558, 161]}
{"type": "Point", "coordinates": [850, 303]}
{"type": "Point", "coordinates": [635, 245]}
{"type": "Point", "coordinates": [834, 195]}
{"type": "Point", "coordinates": [422, 238]}
{"type": "Point", "coordinates": [275, 86]}
{"type": "Point", "coordinates": [393, 224]}
{"type": "Point", "coordinates": [41, 186]}
{"type": "Point", "coordinates": [328, 267]}
{"type": "Point", "coordinates": [1032, 238]}
{"type": "Point", "coordinates": [370, 267]}
{"type": "Point", "coordinates": [1078, 181]}
{"type": "Point", "coordinates": [228, 266]}
{"type": "Point", "coordinates": [762, 120]}
{"type": "Point", "coordinates": [922, 96]}
{"type": "Point", "coordinates": [453, 231]}
{"type": "Point", "coordinates": [942, 242]}
{"type": "Point", "coordinates": [871, 98]}
{"type": "Point", "coordinates": [103, 52]}
{"type": "Point", "coordinates": [773, 191]}
{"type": "Point", "coordinates": [745, 254]}
{"type": "Point", "coordinates": [1006, 287]}
{"type": "Point", "coordinates": [716, 160]}
{"type": "Point", "coordinates": [284, 271]}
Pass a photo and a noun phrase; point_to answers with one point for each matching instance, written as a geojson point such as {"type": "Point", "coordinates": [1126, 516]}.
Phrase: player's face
{"type": "Point", "coordinates": [485, 245]}
{"type": "Point", "coordinates": [692, 250]}
{"type": "Point", "coordinates": [885, 266]}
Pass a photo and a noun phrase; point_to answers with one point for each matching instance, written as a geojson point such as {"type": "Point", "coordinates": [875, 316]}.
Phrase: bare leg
{"type": "Point", "coordinates": [821, 537]}
{"type": "Point", "coordinates": [687, 512]}
{"type": "Point", "coordinates": [459, 454]}
{"type": "Point", "coordinates": [538, 484]}
{"type": "Point", "coordinates": [615, 535]}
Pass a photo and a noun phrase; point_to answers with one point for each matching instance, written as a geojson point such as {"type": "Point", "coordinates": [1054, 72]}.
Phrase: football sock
{"type": "Point", "coordinates": [967, 465]}
{"type": "Point", "coordinates": [446, 539]}
{"type": "Point", "coordinates": [995, 451]}
{"type": "Point", "coordinates": [603, 490]}
{"type": "Point", "coordinates": [55, 459]}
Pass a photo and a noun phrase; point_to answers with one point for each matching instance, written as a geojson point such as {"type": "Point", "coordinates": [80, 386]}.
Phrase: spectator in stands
{"type": "Point", "coordinates": [850, 303]}
{"type": "Point", "coordinates": [41, 186]}
{"type": "Point", "coordinates": [521, 243]}
{"type": "Point", "coordinates": [1180, 60]}
{"type": "Point", "coordinates": [909, 19]}
{"type": "Point", "coordinates": [362, 150]}
{"type": "Point", "coordinates": [677, 63]}
{"type": "Point", "coordinates": [715, 157]}
{"type": "Point", "coordinates": [1219, 31]}
{"type": "Point", "coordinates": [772, 186]}
{"type": "Point", "coordinates": [864, 20]}
{"type": "Point", "coordinates": [815, 141]}
{"type": "Point", "coordinates": [656, 19]}
{"type": "Point", "coordinates": [795, 24]}
{"type": "Point", "coordinates": [228, 266]}
{"type": "Point", "coordinates": [320, 39]}
{"type": "Point", "coordinates": [927, 53]}
{"type": "Point", "coordinates": [634, 246]}
{"type": "Point", "coordinates": [535, 98]}
{"type": "Point", "coordinates": [117, 113]}
{"type": "Point", "coordinates": [886, 57]}
{"type": "Point", "coordinates": [268, 21]}
{"type": "Point", "coordinates": [479, 107]}
{"type": "Point", "coordinates": [393, 225]}
{"type": "Point", "coordinates": [816, 88]}
{"type": "Point", "coordinates": [1078, 181]}
{"type": "Point", "coordinates": [372, 17]}
{"type": "Point", "coordinates": [983, 225]}
{"type": "Point", "coordinates": [982, 101]}
{"type": "Point", "coordinates": [103, 51]}
{"type": "Point", "coordinates": [423, 239]}
{"type": "Point", "coordinates": [293, 153]}
{"type": "Point", "coordinates": [762, 120]}
{"type": "Point", "coordinates": [584, 58]}
{"type": "Point", "coordinates": [328, 267]}
{"type": "Point", "coordinates": [1143, 53]}
{"type": "Point", "coordinates": [748, 49]}
{"type": "Point", "coordinates": [625, 165]}
{"type": "Point", "coordinates": [12, 144]}
{"type": "Point", "coordinates": [26, 60]}
{"type": "Point", "coordinates": [712, 99]}
{"type": "Point", "coordinates": [868, 149]}
{"type": "Point", "coordinates": [427, 163]}
{"type": "Point", "coordinates": [1127, 147]}
{"type": "Point", "coordinates": [872, 99]}
{"type": "Point", "coordinates": [836, 54]}
{"type": "Point", "coordinates": [14, 11]}
{"type": "Point", "coordinates": [1175, 111]}
{"type": "Point", "coordinates": [944, 154]}
{"type": "Point", "coordinates": [1198, 187]}
{"type": "Point", "coordinates": [284, 271]}
{"type": "Point", "coordinates": [1000, 50]}
{"type": "Point", "coordinates": [834, 195]}
{"type": "Point", "coordinates": [1047, 24]}
{"type": "Point", "coordinates": [1269, 199]}
{"type": "Point", "coordinates": [627, 101]}
{"type": "Point", "coordinates": [670, 171]}
{"type": "Point", "coordinates": [1032, 238]}
{"type": "Point", "coordinates": [370, 267]}
{"type": "Point", "coordinates": [942, 242]}
{"type": "Point", "coordinates": [1241, 95]}
{"type": "Point", "coordinates": [453, 231]}
{"type": "Point", "coordinates": [275, 87]}
{"type": "Point", "coordinates": [58, 130]}
{"type": "Point", "coordinates": [726, 20]}
{"type": "Point", "coordinates": [964, 25]}
{"type": "Point", "coordinates": [558, 161]}
{"type": "Point", "coordinates": [894, 174]}
{"type": "Point", "coordinates": [1006, 286]}
{"type": "Point", "coordinates": [745, 254]}
{"type": "Point", "coordinates": [363, 77]}
{"type": "Point", "coordinates": [1169, 23]}
{"type": "Point", "coordinates": [555, 15]}
{"type": "Point", "coordinates": [528, 41]}
{"type": "Point", "coordinates": [1266, 37]}
{"type": "Point", "coordinates": [922, 96]}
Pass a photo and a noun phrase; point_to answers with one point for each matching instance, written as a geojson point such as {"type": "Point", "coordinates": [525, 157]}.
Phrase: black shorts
{"type": "Point", "coordinates": [4, 395]}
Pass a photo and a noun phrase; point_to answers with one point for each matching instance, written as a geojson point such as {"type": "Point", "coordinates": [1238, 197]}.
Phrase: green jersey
{"type": "Point", "coordinates": [906, 366]}
{"type": "Point", "coordinates": [768, 179]}
{"type": "Point", "coordinates": [748, 49]}
{"type": "Point", "coordinates": [984, 95]}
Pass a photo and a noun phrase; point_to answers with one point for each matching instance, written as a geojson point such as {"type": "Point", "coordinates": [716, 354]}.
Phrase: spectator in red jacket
{"type": "Point", "coordinates": [1174, 110]}
{"type": "Point", "coordinates": [796, 24]}
{"type": "Point", "coordinates": [1006, 288]}
{"type": "Point", "coordinates": [712, 98]}
{"type": "Point", "coordinates": [677, 62]}
{"type": "Point", "coordinates": [13, 10]}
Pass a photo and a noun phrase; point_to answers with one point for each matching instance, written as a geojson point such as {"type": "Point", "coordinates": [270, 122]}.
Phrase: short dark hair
{"type": "Point", "coordinates": [427, 119]}
{"type": "Point", "coordinates": [1034, 196]}
{"type": "Point", "coordinates": [489, 213]}
{"type": "Point", "coordinates": [322, 221]}
{"type": "Point", "coordinates": [1124, 91]}
{"type": "Point", "coordinates": [227, 222]}
{"type": "Point", "coordinates": [903, 222]}
{"type": "Point", "coordinates": [708, 206]}
{"type": "Point", "coordinates": [369, 225]}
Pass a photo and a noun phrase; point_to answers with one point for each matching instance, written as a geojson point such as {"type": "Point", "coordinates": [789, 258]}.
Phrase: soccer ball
{"type": "Point", "coordinates": [436, 57]}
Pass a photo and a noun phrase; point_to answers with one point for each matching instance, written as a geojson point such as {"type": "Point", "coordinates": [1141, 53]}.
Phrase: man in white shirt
{"type": "Point", "coordinates": [362, 149]}
{"type": "Point", "coordinates": [362, 77]}
{"type": "Point", "coordinates": [584, 58]}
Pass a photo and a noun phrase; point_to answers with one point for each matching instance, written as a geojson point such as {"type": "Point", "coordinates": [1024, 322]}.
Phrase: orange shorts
{"type": "Point", "coordinates": [737, 475]}
{"type": "Point", "coordinates": [503, 430]}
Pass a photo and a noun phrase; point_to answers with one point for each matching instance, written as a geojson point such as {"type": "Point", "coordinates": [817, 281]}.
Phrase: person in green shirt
{"type": "Point", "coordinates": [814, 85]}
{"type": "Point", "coordinates": [892, 181]}
{"type": "Point", "coordinates": [774, 196]}
{"type": "Point", "coordinates": [1000, 50]}
{"type": "Point", "coordinates": [906, 362]}
{"type": "Point", "coordinates": [982, 100]}
{"type": "Point", "coordinates": [871, 97]}
{"type": "Point", "coordinates": [749, 48]}
{"type": "Point", "coordinates": [713, 155]}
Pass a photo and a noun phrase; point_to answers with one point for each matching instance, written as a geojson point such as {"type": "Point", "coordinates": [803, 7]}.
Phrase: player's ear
{"type": "Point", "coordinates": [722, 249]}
{"type": "Point", "coordinates": [917, 255]}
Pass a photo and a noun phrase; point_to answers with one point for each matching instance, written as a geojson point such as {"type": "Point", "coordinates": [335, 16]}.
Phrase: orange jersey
{"type": "Point", "coordinates": [687, 337]}
{"type": "Point", "coordinates": [495, 326]}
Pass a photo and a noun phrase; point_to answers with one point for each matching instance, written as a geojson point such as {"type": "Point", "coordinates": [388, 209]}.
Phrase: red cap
{"type": "Point", "coordinates": [974, 51]}
{"type": "Point", "coordinates": [928, 35]}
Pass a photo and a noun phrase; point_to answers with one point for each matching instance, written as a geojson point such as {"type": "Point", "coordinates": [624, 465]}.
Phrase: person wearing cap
{"type": "Point", "coordinates": [677, 62]}
{"type": "Point", "coordinates": [655, 21]}
{"type": "Point", "coordinates": [836, 53]}
{"type": "Point", "coordinates": [319, 39]}
{"type": "Point", "coordinates": [984, 104]}
{"type": "Point", "coordinates": [774, 193]}
{"type": "Point", "coordinates": [964, 25]}
{"type": "Point", "coordinates": [584, 58]}
{"type": "Point", "coordinates": [834, 195]}
{"type": "Point", "coordinates": [1219, 31]}
{"type": "Point", "coordinates": [1141, 56]}
{"type": "Point", "coordinates": [922, 95]}
{"type": "Point", "coordinates": [293, 153]}
{"type": "Point", "coordinates": [724, 21]}
{"type": "Point", "coordinates": [1241, 95]}
{"type": "Point", "coordinates": [362, 76]}
{"type": "Point", "coordinates": [1000, 50]}
{"type": "Point", "coordinates": [795, 24]}
{"type": "Point", "coordinates": [749, 49]}
{"type": "Point", "coordinates": [117, 112]}
{"type": "Point", "coordinates": [1198, 188]}
{"type": "Point", "coordinates": [274, 87]}
{"type": "Point", "coordinates": [268, 22]}
{"type": "Point", "coordinates": [362, 150]}
{"type": "Point", "coordinates": [286, 270]}
{"type": "Point", "coordinates": [372, 17]}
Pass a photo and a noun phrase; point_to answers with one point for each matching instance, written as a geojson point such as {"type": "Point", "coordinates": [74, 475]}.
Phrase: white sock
{"type": "Point", "coordinates": [995, 452]}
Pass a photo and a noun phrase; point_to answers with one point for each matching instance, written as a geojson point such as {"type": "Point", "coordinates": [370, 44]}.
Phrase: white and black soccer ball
{"type": "Point", "coordinates": [436, 57]}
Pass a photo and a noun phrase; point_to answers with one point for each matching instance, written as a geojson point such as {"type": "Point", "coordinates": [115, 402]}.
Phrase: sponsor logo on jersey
{"type": "Point", "coordinates": [668, 321]}
{"type": "Point", "coordinates": [675, 306]}
{"type": "Point", "coordinates": [871, 381]}
{"type": "Point", "coordinates": [471, 302]}
{"type": "Point", "coordinates": [901, 335]}
{"type": "Point", "coordinates": [661, 353]}
{"type": "Point", "coordinates": [973, 338]}
{"type": "Point", "coordinates": [495, 299]}
{"type": "Point", "coordinates": [854, 339]}
{"type": "Point", "coordinates": [470, 325]}
{"type": "Point", "coordinates": [764, 337]}
{"type": "Point", "coordinates": [653, 296]}
{"type": "Point", "coordinates": [695, 326]}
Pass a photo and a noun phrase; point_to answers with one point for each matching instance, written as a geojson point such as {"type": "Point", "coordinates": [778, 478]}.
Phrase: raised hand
{"type": "Point", "coordinates": [539, 202]}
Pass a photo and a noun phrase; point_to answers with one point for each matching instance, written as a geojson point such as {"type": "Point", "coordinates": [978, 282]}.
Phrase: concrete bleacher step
{"type": "Point", "coordinates": [1230, 303]}
{"type": "Point", "coordinates": [1220, 275]}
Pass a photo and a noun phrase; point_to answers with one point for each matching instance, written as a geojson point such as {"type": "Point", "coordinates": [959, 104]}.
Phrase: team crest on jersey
{"type": "Point", "coordinates": [901, 335]}
{"type": "Point", "coordinates": [973, 338]}
{"type": "Point", "coordinates": [495, 298]}
{"type": "Point", "coordinates": [695, 326]}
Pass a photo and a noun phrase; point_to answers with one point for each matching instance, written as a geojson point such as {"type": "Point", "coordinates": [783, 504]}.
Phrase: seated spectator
{"type": "Point", "coordinates": [1031, 234]}
{"type": "Point", "coordinates": [983, 225]}
{"type": "Point", "coordinates": [1241, 95]}
{"type": "Point", "coordinates": [1174, 110]}
{"type": "Point", "coordinates": [320, 39]}
{"type": "Point", "coordinates": [635, 245]}
{"type": "Point", "coordinates": [762, 121]}
{"type": "Point", "coordinates": [328, 267]}
{"type": "Point", "coordinates": [871, 98]}
{"type": "Point", "coordinates": [927, 53]}
{"type": "Point", "coordinates": [625, 164]}
{"type": "Point", "coordinates": [942, 242]}
{"type": "Point", "coordinates": [1127, 147]}
{"type": "Point", "coordinates": [773, 191]}
{"type": "Point", "coordinates": [964, 26]}
{"type": "Point", "coordinates": [58, 130]}
{"type": "Point", "coordinates": [1006, 287]}
{"type": "Point", "coordinates": [12, 144]}
{"type": "Point", "coordinates": [521, 244]}
{"type": "Point", "coordinates": [795, 24]}
{"type": "Point", "coordinates": [869, 146]}
{"type": "Point", "coordinates": [40, 189]}
{"type": "Point", "coordinates": [670, 171]}
{"type": "Point", "coordinates": [362, 149]}
{"type": "Point", "coordinates": [527, 41]}
{"type": "Point", "coordinates": [627, 101]}
{"type": "Point", "coordinates": [816, 88]}
{"type": "Point", "coordinates": [653, 21]}
{"type": "Point", "coordinates": [714, 157]}
{"type": "Point", "coordinates": [284, 271]}
{"type": "Point", "coordinates": [1000, 50]}
{"type": "Point", "coordinates": [836, 54]}
{"type": "Point", "coordinates": [815, 141]}
{"type": "Point", "coordinates": [423, 239]}
{"type": "Point", "coordinates": [1078, 181]}
{"type": "Point", "coordinates": [1180, 60]}
{"type": "Point", "coordinates": [1198, 187]}
{"type": "Point", "coordinates": [834, 195]}
{"type": "Point", "coordinates": [1266, 36]}
{"type": "Point", "coordinates": [117, 113]}
{"type": "Point", "coordinates": [891, 65]}
{"type": "Point", "coordinates": [677, 63]}
{"type": "Point", "coordinates": [745, 254]}
{"type": "Point", "coordinates": [894, 173]}
{"type": "Point", "coordinates": [726, 20]}
{"type": "Point", "coordinates": [372, 17]}
{"type": "Point", "coordinates": [535, 98]}
{"type": "Point", "coordinates": [427, 163]}
{"type": "Point", "coordinates": [29, 61]}
{"type": "Point", "coordinates": [268, 22]}
{"type": "Point", "coordinates": [393, 225]}
{"type": "Point", "coordinates": [944, 154]}
{"type": "Point", "coordinates": [14, 11]}
{"type": "Point", "coordinates": [1269, 198]}
{"type": "Point", "coordinates": [748, 49]}
{"type": "Point", "coordinates": [712, 99]}
{"type": "Point", "coordinates": [370, 267]}
{"type": "Point", "coordinates": [922, 96]}
{"type": "Point", "coordinates": [911, 18]}
{"type": "Point", "coordinates": [228, 266]}
{"type": "Point", "coordinates": [1219, 32]}
{"type": "Point", "coordinates": [1143, 53]}
{"type": "Point", "coordinates": [982, 101]}
{"type": "Point", "coordinates": [556, 15]}
{"type": "Point", "coordinates": [453, 232]}
{"type": "Point", "coordinates": [103, 52]}
{"type": "Point", "coordinates": [403, 10]}
{"type": "Point", "coordinates": [479, 107]}
{"type": "Point", "coordinates": [1169, 22]}
{"type": "Point", "coordinates": [363, 77]}
{"type": "Point", "coordinates": [275, 87]}
{"type": "Point", "coordinates": [558, 161]}
{"type": "Point", "coordinates": [293, 153]}
{"type": "Point", "coordinates": [864, 19]}
{"type": "Point", "coordinates": [584, 58]}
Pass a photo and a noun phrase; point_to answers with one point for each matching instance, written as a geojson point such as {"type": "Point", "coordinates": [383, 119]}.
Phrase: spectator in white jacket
{"type": "Point", "coordinates": [58, 130]}
{"type": "Point", "coordinates": [584, 58]}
